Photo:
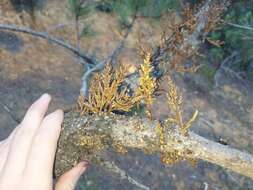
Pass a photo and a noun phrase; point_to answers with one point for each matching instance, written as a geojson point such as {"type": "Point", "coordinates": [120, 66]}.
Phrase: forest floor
{"type": "Point", "coordinates": [30, 66]}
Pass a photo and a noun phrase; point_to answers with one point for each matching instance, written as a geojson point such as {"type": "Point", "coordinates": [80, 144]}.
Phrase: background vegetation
{"type": "Point", "coordinates": [236, 33]}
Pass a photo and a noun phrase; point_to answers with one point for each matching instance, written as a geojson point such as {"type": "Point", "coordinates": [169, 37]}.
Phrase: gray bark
{"type": "Point", "coordinates": [89, 137]}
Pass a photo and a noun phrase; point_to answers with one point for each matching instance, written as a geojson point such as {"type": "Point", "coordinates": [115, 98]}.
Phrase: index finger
{"type": "Point", "coordinates": [41, 157]}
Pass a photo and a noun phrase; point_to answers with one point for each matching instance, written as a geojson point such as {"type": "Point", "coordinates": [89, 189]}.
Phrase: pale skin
{"type": "Point", "coordinates": [27, 155]}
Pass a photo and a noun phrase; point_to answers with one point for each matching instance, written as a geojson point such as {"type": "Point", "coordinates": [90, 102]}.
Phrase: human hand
{"type": "Point", "coordinates": [27, 155]}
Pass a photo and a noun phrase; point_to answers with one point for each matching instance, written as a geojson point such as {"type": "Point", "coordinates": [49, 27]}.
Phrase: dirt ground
{"type": "Point", "coordinates": [30, 66]}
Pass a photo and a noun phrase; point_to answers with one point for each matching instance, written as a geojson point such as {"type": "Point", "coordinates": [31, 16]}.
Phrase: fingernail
{"type": "Point", "coordinates": [59, 112]}
{"type": "Point", "coordinates": [84, 166]}
{"type": "Point", "coordinates": [45, 97]}
{"type": "Point", "coordinates": [86, 163]}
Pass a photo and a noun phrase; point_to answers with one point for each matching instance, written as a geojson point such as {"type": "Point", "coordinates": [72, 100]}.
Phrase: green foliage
{"type": "Point", "coordinates": [207, 71]}
{"type": "Point", "coordinates": [236, 38]}
{"type": "Point", "coordinates": [81, 8]}
{"type": "Point", "coordinates": [218, 53]}
{"type": "Point", "coordinates": [155, 8]}
{"type": "Point", "coordinates": [125, 9]}
{"type": "Point", "coordinates": [88, 31]}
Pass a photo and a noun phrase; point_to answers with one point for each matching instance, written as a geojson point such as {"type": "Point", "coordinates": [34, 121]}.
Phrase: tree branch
{"type": "Point", "coordinates": [225, 68]}
{"type": "Point", "coordinates": [239, 26]}
{"type": "Point", "coordinates": [88, 137]}
{"type": "Point", "coordinates": [46, 36]}
{"type": "Point", "coordinates": [191, 40]}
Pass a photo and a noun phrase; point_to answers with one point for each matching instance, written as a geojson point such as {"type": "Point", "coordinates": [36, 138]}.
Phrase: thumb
{"type": "Point", "coordinates": [69, 179]}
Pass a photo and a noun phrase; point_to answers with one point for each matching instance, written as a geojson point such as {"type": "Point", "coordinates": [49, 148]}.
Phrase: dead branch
{"type": "Point", "coordinates": [88, 137]}
{"type": "Point", "coordinates": [205, 20]}
{"type": "Point", "coordinates": [239, 26]}
{"type": "Point", "coordinates": [50, 38]}
{"type": "Point", "coordinates": [87, 75]}
{"type": "Point", "coordinates": [225, 68]}
{"type": "Point", "coordinates": [190, 42]}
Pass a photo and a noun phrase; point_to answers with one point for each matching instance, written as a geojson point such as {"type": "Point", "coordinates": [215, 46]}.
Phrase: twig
{"type": "Point", "coordinates": [46, 36]}
{"type": "Point", "coordinates": [191, 41]}
{"type": "Point", "coordinates": [224, 67]}
{"type": "Point", "coordinates": [10, 112]}
{"type": "Point", "coordinates": [86, 77]}
{"type": "Point", "coordinates": [112, 167]}
{"type": "Point", "coordinates": [113, 56]}
{"type": "Point", "coordinates": [205, 186]}
{"type": "Point", "coordinates": [78, 35]}
{"type": "Point", "coordinates": [239, 26]}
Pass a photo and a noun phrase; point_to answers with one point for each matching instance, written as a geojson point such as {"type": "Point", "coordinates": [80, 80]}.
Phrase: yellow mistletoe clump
{"type": "Point", "coordinates": [147, 84]}
{"type": "Point", "coordinates": [106, 93]}
{"type": "Point", "coordinates": [175, 101]}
